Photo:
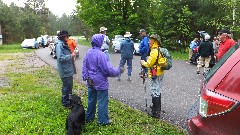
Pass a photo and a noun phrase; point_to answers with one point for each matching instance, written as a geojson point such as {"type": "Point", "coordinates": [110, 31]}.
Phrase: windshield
{"type": "Point", "coordinates": [221, 61]}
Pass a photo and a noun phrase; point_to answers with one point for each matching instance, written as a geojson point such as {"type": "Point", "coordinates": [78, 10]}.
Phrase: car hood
{"type": "Point", "coordinates": [226, 80]}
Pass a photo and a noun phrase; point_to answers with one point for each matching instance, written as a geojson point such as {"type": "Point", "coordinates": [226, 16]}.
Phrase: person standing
{"type": "Point", "coordinates": [206, 52]}
{"type": "Point", "coordinates": [96, 70]}
{"type": "Point", "coordinates": [156, 63]}
{"type": "Point", "coordinates": [127, 48]}
{"type": "Point", "coordinates": [66, 67]}
{"type": "Point", "coordinates": [192, 47]}
{"type": "Point", "coordinates": [144, 50]}
{"type": "Point", "coordinates": [106, 42]}
{"type": "Point", "coordinates": [225, 44]}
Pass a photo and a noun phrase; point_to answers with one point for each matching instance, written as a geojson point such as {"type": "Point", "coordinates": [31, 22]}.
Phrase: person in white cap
{"type": "Point", "coordinates": [106, 41]}
{"type": "Point", "coordinates": [127, 48]}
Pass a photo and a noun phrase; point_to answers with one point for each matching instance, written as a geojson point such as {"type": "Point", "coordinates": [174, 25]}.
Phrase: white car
{"type": "Point", "coordinates": [30, 43]}
{"type": "Point", "coordinates": [136, 46]}
{"type": "Point", "coordinates": [116, 44]}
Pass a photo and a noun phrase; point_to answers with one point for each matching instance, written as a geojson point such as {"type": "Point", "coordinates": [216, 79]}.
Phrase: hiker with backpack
{"type": "Point", "coordinates": [158, 61]}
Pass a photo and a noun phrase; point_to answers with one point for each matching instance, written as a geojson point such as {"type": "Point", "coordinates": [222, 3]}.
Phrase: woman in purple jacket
{"type": "Point", "coordinates": [96, 70]}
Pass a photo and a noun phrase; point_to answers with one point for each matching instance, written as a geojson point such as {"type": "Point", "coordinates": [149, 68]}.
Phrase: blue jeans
{"type": "Point", "coordinates": [66, 90]}
{"type": "Point", "coordinates": [144, 57]}
{"type": "Point", "coordinates": [100, 96]}
{"type": "Point", "coordinates": [129, 64]}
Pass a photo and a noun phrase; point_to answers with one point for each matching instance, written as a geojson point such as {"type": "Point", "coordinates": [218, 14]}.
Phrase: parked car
{"type": "Point", "coordinates": [217, 109]}
{"type": "Point", "coordinates": [136, 46]}
{"type": "Point", "coordinates": [116, 42]}
{"type": "Point", "coordinates": [30, 43]}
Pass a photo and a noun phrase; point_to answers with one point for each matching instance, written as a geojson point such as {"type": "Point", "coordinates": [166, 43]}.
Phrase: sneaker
{"type": "Point", "coordinates": [103, 124]}
{"type": "Point", "coordinates": [129, 79]}
{"type": "Point", "coordinates": [119, 78]}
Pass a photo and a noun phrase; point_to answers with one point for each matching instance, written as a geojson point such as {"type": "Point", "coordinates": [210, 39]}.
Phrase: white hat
{"type": "Point", "coordinates": [127, 34]}
{"type": "Point", "coordinates": [102, 29]}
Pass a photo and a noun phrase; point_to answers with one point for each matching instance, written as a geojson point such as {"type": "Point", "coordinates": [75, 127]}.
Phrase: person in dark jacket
{"type": "Point", "coordinates": [144, 50]}
{"type": "Point", "coordinates": [66, 67]}
{"type": "Point", "coordinates": [205, 51]}
{"type": "Point", "coordinates": [96, 70]}
{"type": "Point", "coordinates": [127, 48]}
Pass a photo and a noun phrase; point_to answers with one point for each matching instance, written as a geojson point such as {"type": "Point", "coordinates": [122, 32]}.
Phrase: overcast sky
{"type": "Point", "coordinates": [57, 7]}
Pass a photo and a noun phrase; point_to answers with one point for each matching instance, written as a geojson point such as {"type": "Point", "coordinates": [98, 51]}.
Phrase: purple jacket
{"type": "Point", "coordinates": [97, 68]}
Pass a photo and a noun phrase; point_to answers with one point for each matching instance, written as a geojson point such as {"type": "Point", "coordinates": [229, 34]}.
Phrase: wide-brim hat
{"type": "Point", "coordinates": [102, 29]}
{"type": "Point", "coordinates": [63, 33]}
{"type": "Point", "coordinates": [127, 34]}
{"type": "Point", "coordinates": [156, 37]}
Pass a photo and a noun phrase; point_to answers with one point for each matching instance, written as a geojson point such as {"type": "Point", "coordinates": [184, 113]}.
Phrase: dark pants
{"type": "Point", "coordinates": [129, 65]}
{"type": "Point", "coordinates": [66, 90]}
{"type": "Point", "coordinates": [144, 57]}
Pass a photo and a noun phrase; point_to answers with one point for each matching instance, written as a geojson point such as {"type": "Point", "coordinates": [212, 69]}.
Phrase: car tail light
{"type": "Point", "coordinates": [212, 104]}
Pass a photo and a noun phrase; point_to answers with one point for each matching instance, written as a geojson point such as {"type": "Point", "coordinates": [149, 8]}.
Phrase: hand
{"type": "Point", "coordinates": [142, 61]}
{"type": "Point", "coordinates": [122, 69]}
{"type": "Point", "coordinates": [73, 54]}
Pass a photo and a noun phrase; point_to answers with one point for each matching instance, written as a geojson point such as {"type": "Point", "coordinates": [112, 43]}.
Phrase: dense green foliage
{"type": "Point", "coordinates": [31, 104]}
{"type": "Point", "coordinates": [173, 19]}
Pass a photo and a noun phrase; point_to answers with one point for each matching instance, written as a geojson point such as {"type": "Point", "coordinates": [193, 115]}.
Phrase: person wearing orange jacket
{"type": "Point", "coordinates": [71, 44]}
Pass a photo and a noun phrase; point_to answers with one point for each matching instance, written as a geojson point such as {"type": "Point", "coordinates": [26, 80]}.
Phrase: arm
{"type": "Point", "coordinates": [106, 67]}
{"type": "Point", "coordinates": [60, 54]}
{"type": "Point", "coordinates": [151, 59]}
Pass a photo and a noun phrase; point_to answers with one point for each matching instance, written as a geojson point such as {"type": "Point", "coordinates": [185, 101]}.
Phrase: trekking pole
{"type": "Point", "coordinates": [145, 89]}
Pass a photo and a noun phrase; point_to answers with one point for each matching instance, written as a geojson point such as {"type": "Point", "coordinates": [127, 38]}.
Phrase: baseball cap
{"type": "Point", "coordinates": [103, 29]}
{"type": "Point", "coordinates": [224, 31]}
{"type": "Point", "coordinates": [142, 30]}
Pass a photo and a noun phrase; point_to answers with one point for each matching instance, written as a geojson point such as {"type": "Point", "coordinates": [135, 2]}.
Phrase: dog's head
{"type": "Point", "coordinates": [75, 100]}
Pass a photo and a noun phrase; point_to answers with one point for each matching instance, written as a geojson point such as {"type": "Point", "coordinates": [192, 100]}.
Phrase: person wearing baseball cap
{"type": "Point", "coordinates": [144, 50]}
{"type": "Point", "coordinates": [106, 42]}
{"type": "Point", "coordinates": [226, 42]}
{"type": "Point", "coordinates": [66, 67]}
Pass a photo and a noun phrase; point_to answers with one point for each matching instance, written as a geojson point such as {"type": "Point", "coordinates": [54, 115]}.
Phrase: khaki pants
{"type": "Point", "coordinates": [190, 54]}
{"type": "Point", "coordinates": [206, 61]}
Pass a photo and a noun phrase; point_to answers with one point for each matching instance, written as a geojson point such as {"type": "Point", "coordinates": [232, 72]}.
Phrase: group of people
{"type": "Point", "coordinates": [210, 51]}
{"type": "Point", "coordinates": [96, 69]}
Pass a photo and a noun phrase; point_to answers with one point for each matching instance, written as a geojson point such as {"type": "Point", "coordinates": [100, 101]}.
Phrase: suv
{"type": "Point", "coordinates": [217, 111]}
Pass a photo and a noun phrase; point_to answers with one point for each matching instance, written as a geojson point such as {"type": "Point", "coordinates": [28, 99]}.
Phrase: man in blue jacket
{"type": "Point", "coordinates": [144, 49]}
{"type": "Point", "coordinates": [127, 48]}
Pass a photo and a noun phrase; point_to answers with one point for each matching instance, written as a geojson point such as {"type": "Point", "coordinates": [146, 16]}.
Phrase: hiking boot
{"type": "Point", "coordinates": [103, 124]}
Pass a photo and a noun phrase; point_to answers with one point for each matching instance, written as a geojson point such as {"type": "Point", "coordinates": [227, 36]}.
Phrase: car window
{"type": "Point", "coordinates": [221, 62]}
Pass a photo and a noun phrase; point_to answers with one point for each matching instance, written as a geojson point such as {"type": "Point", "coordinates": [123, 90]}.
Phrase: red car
{"type": "Point", "coordinates": [217, 111]}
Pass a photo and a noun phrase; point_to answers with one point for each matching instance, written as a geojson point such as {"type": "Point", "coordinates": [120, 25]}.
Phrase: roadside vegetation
{"type": "Point", "coordinates": [30, 102]}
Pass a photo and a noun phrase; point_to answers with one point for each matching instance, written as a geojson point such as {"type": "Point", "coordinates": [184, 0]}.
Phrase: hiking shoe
{"type": "Point", "coordinates": [108, 123]}
{"type": "Point", "coordinates": [129, 79]}
{"type": "Point", "coordinates": [198, 72]}
{"type": "Point", "coordinates": [119, 78]}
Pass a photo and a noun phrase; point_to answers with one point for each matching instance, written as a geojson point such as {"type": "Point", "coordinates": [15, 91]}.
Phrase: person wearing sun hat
{"type": "Point", "coordinates": [66, 67]}
{"type": "Point", "coordinates": [144, 50]}
{"type": "Point", "coordinates": [106, 42]}
{"type": "Point", "coordinates": [226, 42]}
{"type": "Point", "coordinates": [127, 48]}
{"type": "Point", "coordinates": [156, 63]}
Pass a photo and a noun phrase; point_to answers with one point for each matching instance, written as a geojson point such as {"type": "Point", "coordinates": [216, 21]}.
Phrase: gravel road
{"type": "Point", "coordinates": [180, 89]}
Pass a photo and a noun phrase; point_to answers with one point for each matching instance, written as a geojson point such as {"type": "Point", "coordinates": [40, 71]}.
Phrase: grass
{"type": "Point", "coordinates": [84, 42]}
{"type": "Point", "coordinates": [31, 104]}
{"type": "Point", "coordinates": [13, 48]}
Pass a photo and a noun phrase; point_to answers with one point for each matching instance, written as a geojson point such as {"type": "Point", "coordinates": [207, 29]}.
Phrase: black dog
{"type": "Point", "coordinates": [76, 118]}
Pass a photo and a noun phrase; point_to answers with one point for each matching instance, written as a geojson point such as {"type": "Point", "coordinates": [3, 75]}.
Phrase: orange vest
{"type": "Point", "coordinates": [71, 44]}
